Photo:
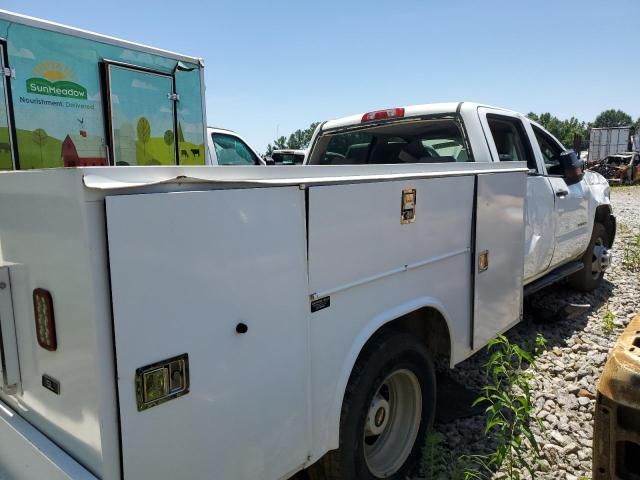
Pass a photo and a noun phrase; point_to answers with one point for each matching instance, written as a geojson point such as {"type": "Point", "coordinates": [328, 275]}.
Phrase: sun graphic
{"type": "Point", "coordinates": [53, 71]}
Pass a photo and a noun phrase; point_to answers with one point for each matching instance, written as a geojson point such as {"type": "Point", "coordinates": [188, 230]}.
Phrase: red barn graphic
{"type": "Point", "coordinates": [82, 151]}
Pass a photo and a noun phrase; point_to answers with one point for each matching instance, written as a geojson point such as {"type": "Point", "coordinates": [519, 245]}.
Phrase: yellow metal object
{"type": "Point", "coordinates": [616, 432]}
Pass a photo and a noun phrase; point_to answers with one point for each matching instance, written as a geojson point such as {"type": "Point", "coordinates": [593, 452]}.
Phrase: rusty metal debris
{"type": "Point", "coordinates": [616, 433]}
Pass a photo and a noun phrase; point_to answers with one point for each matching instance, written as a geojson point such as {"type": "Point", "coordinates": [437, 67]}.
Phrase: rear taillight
{"type": "Point", "coordinates": [45, 321]}
{"type": "Point", "coordinates": [383, 114]}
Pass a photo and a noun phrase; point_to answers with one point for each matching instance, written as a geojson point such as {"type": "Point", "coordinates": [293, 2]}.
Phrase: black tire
{"type": "Point", "coordinates": [586, 280]}
{"type": "Point", "coordinates": [385, 357]}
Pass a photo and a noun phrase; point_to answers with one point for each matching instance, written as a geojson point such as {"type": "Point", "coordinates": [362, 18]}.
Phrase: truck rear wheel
{"type": "Point", "coordinates": [388, 408]}
{"type": "Point", "coordinates": [596, 259]}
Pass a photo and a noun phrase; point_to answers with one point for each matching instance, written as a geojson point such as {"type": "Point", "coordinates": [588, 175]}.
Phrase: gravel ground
{"type": "Point", "coordinates": [578, 344]}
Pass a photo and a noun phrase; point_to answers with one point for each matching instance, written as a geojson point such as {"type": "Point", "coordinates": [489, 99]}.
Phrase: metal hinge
{"type": "Point", "coordinates": [174, 97]}
{"type": "Point", "coordinates": [9, 72]}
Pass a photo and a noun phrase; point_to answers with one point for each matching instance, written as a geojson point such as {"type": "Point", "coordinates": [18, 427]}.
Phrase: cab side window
{"type": "Point", "coordinates": [511, 140]}
{"type": "Point", "coordinates": [232, 151]}
{"type": "Point", "coordinates": [550, 151]}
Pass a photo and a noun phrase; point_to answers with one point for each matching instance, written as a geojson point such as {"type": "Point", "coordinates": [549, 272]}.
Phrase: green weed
{"type": "Point", "coordinates": [509, 412]}
{"type": "Point", "coordinates": [631, 260]}
{"type": "Point", "coordinates": [608, 321]}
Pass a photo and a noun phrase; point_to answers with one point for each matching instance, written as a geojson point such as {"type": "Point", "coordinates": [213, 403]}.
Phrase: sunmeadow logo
{"type": "Point", "coordinates": [54, 79]}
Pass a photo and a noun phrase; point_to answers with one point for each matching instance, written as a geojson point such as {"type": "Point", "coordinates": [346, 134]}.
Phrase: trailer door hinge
{"type": "Point", "coordinates": [9, 72]}
{"type": "Point", "coordinates": [174, 97]}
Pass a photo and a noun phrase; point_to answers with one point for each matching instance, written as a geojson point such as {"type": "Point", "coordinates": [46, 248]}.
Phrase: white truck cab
{"type": "Point", "coordinates": [288, 156]}
{"type": "Point", "coordinates": [226, 147]}
{"type": "Point", "coordinates": [566, 210]}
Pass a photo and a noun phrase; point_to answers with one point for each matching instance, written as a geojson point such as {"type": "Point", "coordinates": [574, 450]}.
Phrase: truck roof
{"type": "Point", "coordinates": [293, 151]}
{"type": "Point", "coordinates": [78, 32]}
{"type": "Point", "coordinates": [409, 111]}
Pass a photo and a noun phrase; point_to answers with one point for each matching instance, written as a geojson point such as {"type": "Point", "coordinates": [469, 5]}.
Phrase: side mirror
{"type": "Point", "coordinates": [572, 167]}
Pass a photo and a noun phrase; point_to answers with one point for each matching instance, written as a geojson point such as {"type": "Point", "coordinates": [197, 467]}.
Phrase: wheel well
{"type": "Point", "coordinates": [603, 216]}
{"type": "Point", "coordinates": [427, 324]}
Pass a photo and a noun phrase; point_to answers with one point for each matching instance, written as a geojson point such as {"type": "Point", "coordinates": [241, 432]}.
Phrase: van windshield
{"type": "Point", "coordinates": [414, 141]}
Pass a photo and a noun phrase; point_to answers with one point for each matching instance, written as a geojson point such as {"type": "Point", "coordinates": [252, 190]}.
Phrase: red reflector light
{"type": "Point", "coordinates": [383, 114]}
{"type": "Point", "coordinates": [45, 322]}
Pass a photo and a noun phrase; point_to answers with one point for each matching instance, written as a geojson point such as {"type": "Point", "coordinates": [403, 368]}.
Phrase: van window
{"type": "Point", "coordinates": [142, 121]}
{"type": "Point", "coordinates": [511, 140]}
{"type": "Point", "coordinates": [231, 150]}
{"type": "Point", "coordinates": [412, 141]}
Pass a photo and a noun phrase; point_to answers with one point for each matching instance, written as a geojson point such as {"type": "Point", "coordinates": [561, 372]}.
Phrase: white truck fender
{"type": "Point", "coordinates": [369, 329]}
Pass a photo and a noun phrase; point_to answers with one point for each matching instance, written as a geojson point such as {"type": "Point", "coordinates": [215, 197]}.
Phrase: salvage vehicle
{"type": "Point", "coordinates": [620, 168]}
{"type": "Point", "coordinates": [226, 147]}
{"type": "Point", "coordinates": [72, 98]}
{"type": "Point", "coordinates": [146, 335]}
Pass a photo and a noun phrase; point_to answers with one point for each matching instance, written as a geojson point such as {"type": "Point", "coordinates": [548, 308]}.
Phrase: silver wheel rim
{"type": "Point", "coordinates": [600, 259]}
{"type": "Point", "coordinates": [392, 423]}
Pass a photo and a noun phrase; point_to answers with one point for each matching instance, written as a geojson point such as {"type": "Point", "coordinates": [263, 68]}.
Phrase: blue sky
{"type": "Point", "coordinates": [273, 67]}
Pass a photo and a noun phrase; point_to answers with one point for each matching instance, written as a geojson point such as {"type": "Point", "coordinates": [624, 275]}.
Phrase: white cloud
{"type": "Point", "coordinates": [135, 83]}
{"type": "Point", "coordinates": [94, 98]}
{"type": "Point", "coordinates": [22, 52]}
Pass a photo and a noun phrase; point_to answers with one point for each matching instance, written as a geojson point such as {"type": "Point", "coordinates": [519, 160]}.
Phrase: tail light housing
{"type": "Point", "coordinates": [45, 320]}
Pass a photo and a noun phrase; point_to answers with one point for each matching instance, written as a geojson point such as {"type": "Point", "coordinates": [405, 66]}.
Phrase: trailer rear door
{"type": "Point", "coordinates": [216, 279]}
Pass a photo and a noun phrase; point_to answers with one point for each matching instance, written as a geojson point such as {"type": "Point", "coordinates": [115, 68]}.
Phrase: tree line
{"type": "Point", "coordinates": [567, 131]}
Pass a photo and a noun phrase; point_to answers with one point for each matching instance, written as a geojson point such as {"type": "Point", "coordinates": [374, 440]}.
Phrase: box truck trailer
{"type": "Point", "coordinates": [70, 97]}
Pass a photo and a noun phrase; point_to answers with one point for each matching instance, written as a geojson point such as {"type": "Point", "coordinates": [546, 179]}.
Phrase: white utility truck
{"type": "Point", "coordinates": [246, 323]}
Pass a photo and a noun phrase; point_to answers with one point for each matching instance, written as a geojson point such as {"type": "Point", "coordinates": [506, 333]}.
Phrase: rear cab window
{"type": "Point", "coordinates": [408, 141]}
{"type": "Point", "coordinates": [231, 150]}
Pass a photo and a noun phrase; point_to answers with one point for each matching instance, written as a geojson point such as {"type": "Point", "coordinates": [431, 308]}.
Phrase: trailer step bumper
{"type": "Point", "coordinates": [25, 453]}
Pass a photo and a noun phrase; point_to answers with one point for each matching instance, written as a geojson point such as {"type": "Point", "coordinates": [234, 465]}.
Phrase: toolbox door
{"type": "Point", "coordinates": [211, 312]}
{"type": "Point", "coordinates": [499, 254]}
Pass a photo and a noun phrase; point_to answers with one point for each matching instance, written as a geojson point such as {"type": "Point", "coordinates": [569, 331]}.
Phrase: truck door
{"type": "Point", "coordinates": [509, 140]}
{"type": "Point", "coordinates": [570, 202]}
{"type": "Point", "coordinates": [211, 319]}
{"type": "Point", "coordinates": [7, 161]}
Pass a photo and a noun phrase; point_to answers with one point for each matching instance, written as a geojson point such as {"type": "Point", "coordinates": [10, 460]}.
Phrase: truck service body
{"type": "Point", "coordinates": [239, 323]}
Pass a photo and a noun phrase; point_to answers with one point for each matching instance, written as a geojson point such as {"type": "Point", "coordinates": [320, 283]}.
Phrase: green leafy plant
{"type": "Point", "coordinates": [509, 412]}
{"type": "Point", "coordinates": [608, 321]}
{"type": "Point", "coordinates": [631, 260]}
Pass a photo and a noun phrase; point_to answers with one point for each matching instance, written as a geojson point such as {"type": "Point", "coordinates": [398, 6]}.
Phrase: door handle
{"type": "Point", "coordinates": [562, 193]}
